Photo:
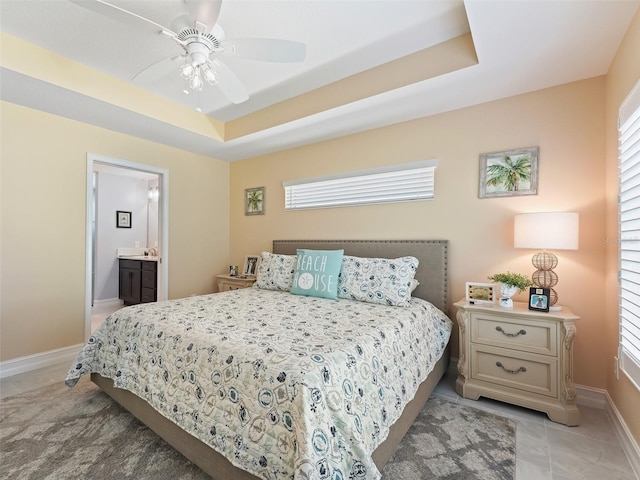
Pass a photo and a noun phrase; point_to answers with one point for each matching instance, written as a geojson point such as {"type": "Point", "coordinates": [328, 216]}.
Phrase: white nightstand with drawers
{"type": "Point", "coordinates": [518, 356]}
{"type": "Point", "coordinates": [228, 282]}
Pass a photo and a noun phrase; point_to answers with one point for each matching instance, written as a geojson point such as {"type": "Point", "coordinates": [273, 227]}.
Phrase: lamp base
{"type": "Point", "coordinates": [545, 277]}
{"type": "Point", "coordinates": [555, 308]}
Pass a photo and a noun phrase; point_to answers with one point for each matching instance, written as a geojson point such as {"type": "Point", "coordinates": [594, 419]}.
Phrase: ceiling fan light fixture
{"type": "Point", "coordinates": [187, 71]}
{"type": "Point", "coordinates": [209, 76]}
{"type": "Point", "coordinates": [196, 81]}
{"type": "Point", "coordinates": [200, 37]}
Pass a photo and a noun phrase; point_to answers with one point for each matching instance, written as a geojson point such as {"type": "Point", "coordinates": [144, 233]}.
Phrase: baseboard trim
{"type": "Point", "coordinates": [629, 445]}
{"type": "Point", "coordinates": [591, 397]}
{"type": "Point", "coordinates": [109, 302]}
{"type": "Point", "coordinates": [599, 398]}
{"type": "Point", "coordinates": [19, 365]}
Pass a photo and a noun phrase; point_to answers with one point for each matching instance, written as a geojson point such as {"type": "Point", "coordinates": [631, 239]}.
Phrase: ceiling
{"type": "Point", "coordinates": [369, 63]}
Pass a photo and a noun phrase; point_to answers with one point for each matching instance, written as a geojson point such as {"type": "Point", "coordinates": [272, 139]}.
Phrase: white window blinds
{"type": "Point", "coordinates": [629, 156]}
{"type": "Point", "coordinates": [398, 183]}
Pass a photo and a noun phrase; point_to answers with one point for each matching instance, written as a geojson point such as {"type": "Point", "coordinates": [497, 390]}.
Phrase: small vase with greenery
{"type": "Point", "coordinates": [510, 283]}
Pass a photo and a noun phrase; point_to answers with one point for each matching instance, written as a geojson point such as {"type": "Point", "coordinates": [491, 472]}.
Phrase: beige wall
{"type": "Point", "coordinates": [575, 127]}
{"type": "Point", "coordinates": [622, 76]}
{"type": "Point", "coordinates": [567, 122]}
{"type": "Point", "coordinates": [42, 235]}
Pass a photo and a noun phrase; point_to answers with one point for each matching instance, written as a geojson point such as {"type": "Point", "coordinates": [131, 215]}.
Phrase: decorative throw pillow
{"type": "Point", "coordinates": [275, 272]}
{"type": "Point", "coordinates": [378, 280]}
{"type": "Point", "coordinates": [317, 273]}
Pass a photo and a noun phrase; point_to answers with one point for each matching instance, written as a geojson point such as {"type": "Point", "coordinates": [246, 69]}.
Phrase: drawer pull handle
{"type": "Point", "coordinates": [521, 369]}
{"type": "Point", "coordinates": [512, 335]}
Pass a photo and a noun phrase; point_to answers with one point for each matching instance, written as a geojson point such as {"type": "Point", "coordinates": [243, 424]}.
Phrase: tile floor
{"type": "Point", "coordinates": [545, 450]}
{"type": "Point", "coordinates": [101, 311]}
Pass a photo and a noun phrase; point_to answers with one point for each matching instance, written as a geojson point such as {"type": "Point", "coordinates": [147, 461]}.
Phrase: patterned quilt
{"type": "Point", "coordinates": [284, 386]}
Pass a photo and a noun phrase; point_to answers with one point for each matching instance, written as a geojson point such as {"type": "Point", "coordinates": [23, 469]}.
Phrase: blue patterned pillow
{"type": "Point", "coordinates": [275, 272]}
{"type": "Point", "coordinates": [377, 280]}
{"type": "Point", "coordinates": [317, 273]}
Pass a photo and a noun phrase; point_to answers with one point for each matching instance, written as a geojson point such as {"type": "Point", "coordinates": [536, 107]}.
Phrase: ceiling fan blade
{"type": "Point", "coordinates": [229, 83]}
{"type": "Point", "coordinates": [204, 11]}
{"type": "Point", "coordinates": [267, 49]}
{"type": "Point", "coordinates": [159, 69]}
{"type": "Point", "coordinates": [120, 14]}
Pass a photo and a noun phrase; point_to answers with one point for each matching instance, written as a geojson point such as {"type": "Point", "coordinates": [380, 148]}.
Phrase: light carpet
{"type": "Point", "coordinates": [81, 433]}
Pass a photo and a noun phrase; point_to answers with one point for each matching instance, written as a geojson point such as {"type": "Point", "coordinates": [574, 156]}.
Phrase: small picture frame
{"type": "Point", "coordinates": [250, 266]}
{"type": "Point", "coordinates": [539, 299]}
{"type": "Point", "coordinates": [123, 219]}
{"type": "Point", "coordinates": [254, 200]}
{"type": "Point", "coordinates": [480, 293]}
{"type": "Point", "coordinates": [233, 270]}
{"type": "Point", "coordinates": [509, 173]}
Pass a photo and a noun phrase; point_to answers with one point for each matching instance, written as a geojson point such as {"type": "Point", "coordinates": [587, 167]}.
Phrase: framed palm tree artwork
{"type": "Point", "coordinates": [509, 173]}
{"type": "Point", "coordinates": [254, 201]}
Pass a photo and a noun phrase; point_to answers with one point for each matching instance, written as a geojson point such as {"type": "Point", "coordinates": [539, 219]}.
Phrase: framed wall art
{"type": "Point", "coordinates": [254, 201]}
{"type": "Point", "coordinates": [123, 219]}
{"type": "Point", "coordinates": [480, 293]}
{"type": "Point", "coordinates": [509, 173]}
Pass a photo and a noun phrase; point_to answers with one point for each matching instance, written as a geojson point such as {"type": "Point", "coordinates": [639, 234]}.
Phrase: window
{"type": "Point", "coordinates": [629, 157]}
{"type": "Point", "coordinates": [398, 183]}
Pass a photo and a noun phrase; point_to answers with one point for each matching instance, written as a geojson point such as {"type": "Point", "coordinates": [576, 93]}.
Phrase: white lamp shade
{"type": "Point", "coordinates": [546, 230]}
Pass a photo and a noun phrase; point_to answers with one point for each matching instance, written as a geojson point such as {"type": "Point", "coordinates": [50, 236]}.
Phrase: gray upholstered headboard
{"type": "Point", "coordinates": [432, 254]}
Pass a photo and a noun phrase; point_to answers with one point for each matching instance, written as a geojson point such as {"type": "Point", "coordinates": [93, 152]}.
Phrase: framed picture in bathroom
{"type": "Point", "coordinates": [123, 219]}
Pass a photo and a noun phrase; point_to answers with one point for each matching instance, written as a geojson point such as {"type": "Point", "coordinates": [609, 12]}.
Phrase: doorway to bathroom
{"type": "Point", "coordinates": [116, 187]}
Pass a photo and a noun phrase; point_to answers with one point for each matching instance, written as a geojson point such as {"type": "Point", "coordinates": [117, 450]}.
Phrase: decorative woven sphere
{"type": "Point", "coordinates": [553, 297]}
{"type": "Point", "coordinates": [544, 261]}
{"type": "Point", "coordinates": [545, 278]}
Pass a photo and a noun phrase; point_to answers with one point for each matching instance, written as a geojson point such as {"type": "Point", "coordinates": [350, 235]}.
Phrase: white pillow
{"type": "Point", "coordinates": [275, 271]}
{"type": "Point", "coordinates": [378, 280]}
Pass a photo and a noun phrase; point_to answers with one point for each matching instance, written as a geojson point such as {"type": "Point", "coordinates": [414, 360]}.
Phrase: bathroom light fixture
{"type": "Point", "coordinates": [546, 230]}
{"type": "Point", "coordinates": [154, 193]}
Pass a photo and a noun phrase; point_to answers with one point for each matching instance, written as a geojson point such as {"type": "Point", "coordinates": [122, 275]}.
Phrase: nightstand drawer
{"type": "Point", "coordinates": [521, 334]}
{"type": "Point", "coordinates": [528, 372]}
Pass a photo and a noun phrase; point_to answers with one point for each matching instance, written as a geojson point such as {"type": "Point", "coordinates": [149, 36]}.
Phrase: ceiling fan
{"type": "Point", "coordinates": [202, 41]}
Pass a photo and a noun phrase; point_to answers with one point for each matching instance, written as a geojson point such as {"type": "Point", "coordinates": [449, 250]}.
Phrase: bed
{"type": "Point", "coordinates": [319, 418]}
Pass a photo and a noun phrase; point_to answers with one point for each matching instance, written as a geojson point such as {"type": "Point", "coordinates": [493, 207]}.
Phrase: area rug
{"type": "Point", "coordinates": [80, 433]}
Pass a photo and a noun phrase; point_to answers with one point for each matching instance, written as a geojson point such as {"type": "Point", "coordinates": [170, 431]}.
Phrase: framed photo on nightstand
{"type": "Point", "coordinates": [539, 299]}
{"type": "Point", "coordinates": [480, 293]}
{"type": "Point", "coordinates": [250, 266]}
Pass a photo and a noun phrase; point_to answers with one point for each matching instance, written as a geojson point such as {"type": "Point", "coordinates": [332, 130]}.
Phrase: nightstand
{"type": "Point", "coordinates": [227, 282]}
{"type": "Point", "coordinates": [519, 356]}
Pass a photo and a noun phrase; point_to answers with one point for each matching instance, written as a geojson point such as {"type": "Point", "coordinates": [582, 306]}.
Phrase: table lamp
{"type": "Point", "coordinates": [546, 231]}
